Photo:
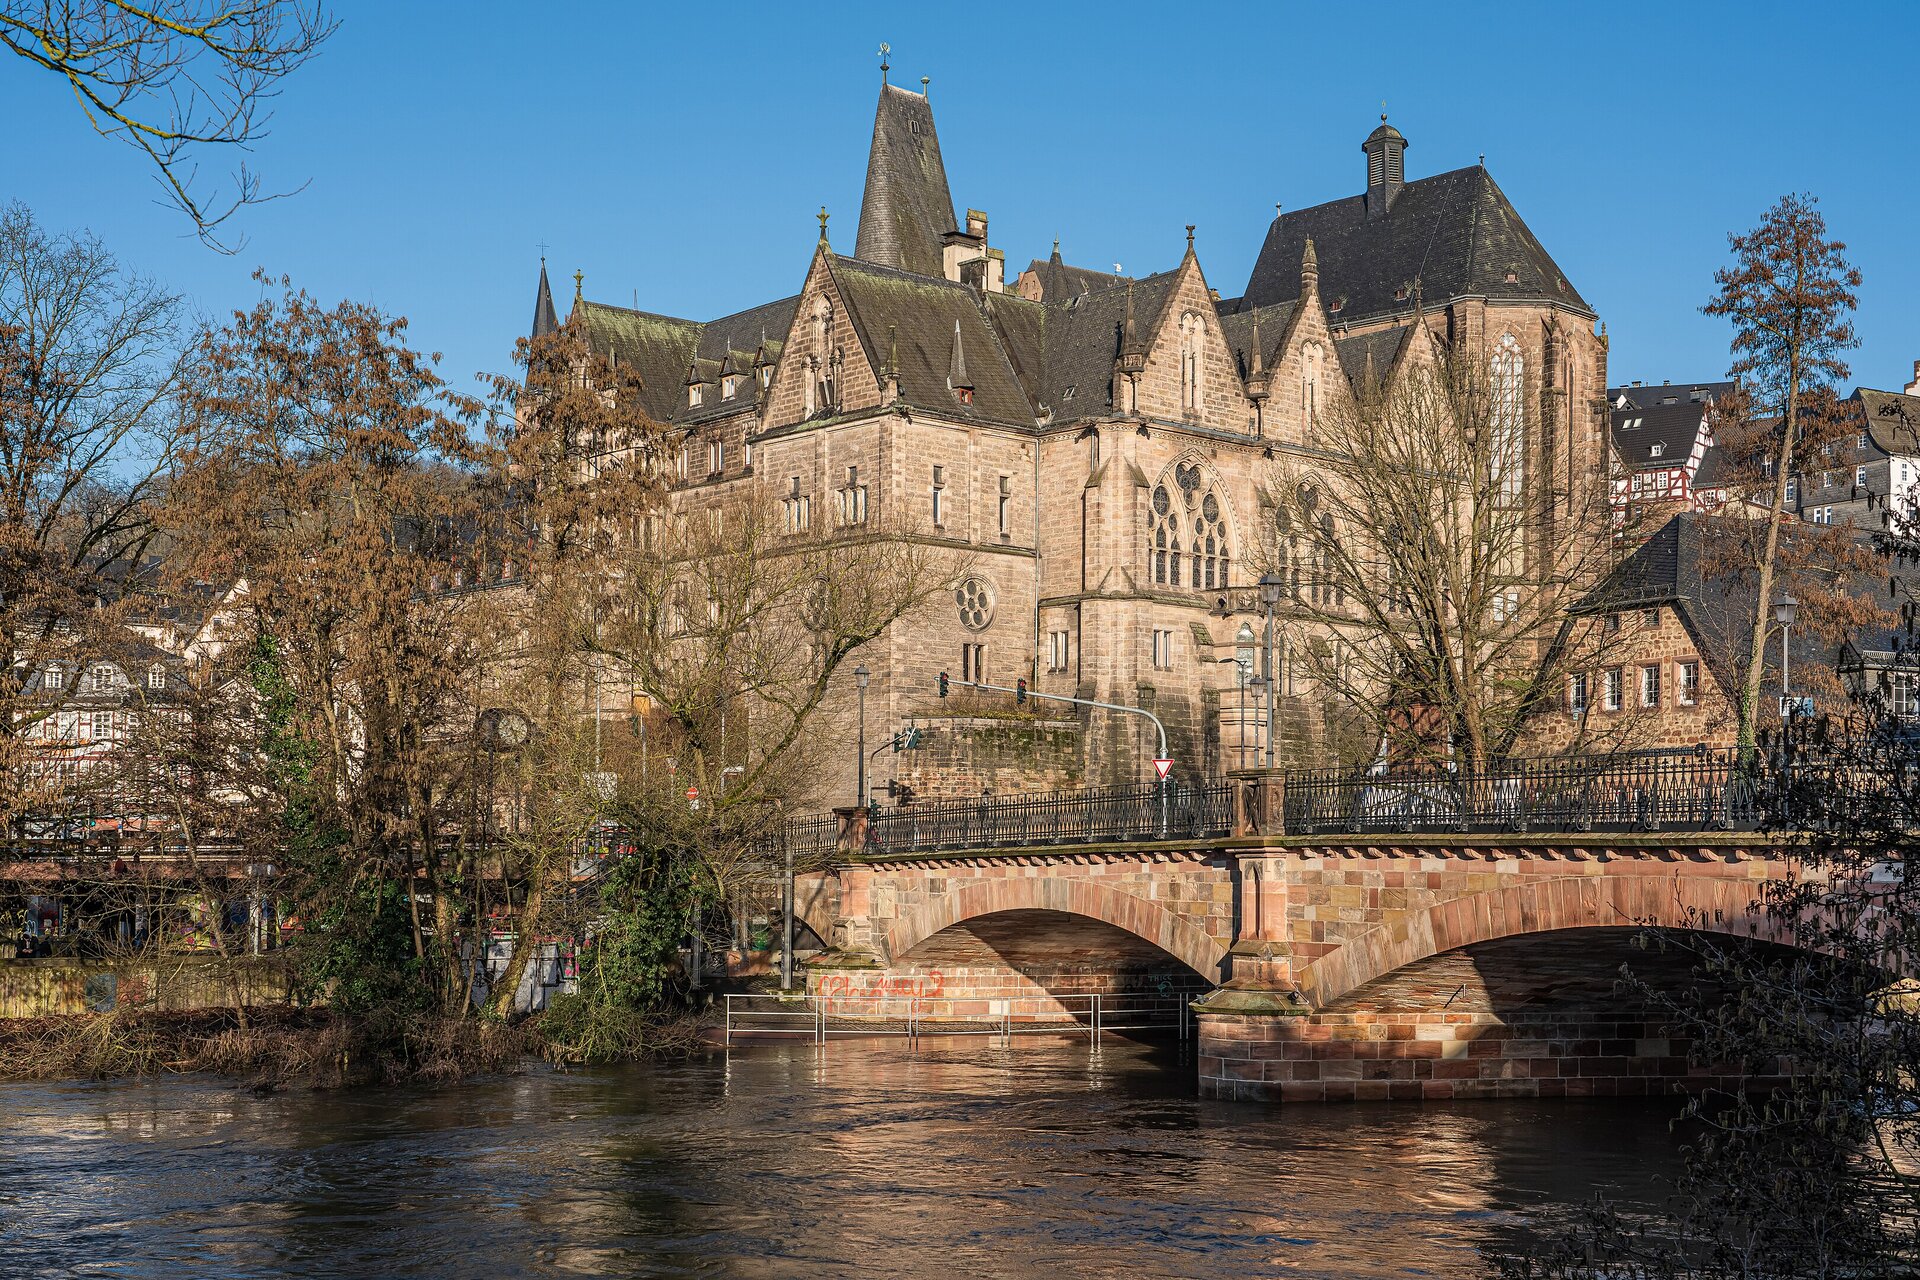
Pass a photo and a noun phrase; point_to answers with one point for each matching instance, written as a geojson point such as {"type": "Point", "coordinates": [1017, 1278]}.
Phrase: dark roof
{"type": "Point", "coordinates": [1382, 346]}
{"type": "Point", "coordinates": [1058, 281]}
{"type": "Point", "coordinates": [1892, 420]}
{"type": "Point", "coordinates": [1454, 232]}
{"type": "Point", "coordinates": [1237, 326]}
{"type": "Point", "coordinates": [1669, 393]}
{"type": "Point", "coordinates": [907, 207]}
{"type": "Point", "coordinates": [1064, 351]}
{"type": "Point", "coordinates": [663, 348]}
{"type": "Point", "coordinates": [917, 316]}
{"type": "Point", "coordinates": [1675, 567]}
{"type": "Point", "coordinates": [544, 319]}
{"type": "Point", "coordinates": [1673, 428]}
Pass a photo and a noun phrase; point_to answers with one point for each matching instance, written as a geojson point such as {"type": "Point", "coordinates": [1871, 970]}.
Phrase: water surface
{"type": "Point", "coordinates": [863, 1158]}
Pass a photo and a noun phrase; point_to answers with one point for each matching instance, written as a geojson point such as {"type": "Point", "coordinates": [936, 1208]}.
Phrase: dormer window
{"type": "Point", "coordinates": [55, 677]}
{"type": "Point", "coordinates": [766, 376]}
{"type": "Point", "coordinates": [1068, 393]}
{"type": "Point", "coordinates": [1655, 449]}
{"type": "Point", "coordinates": [1631, 424]}
{"type": "Point", "coordinates": [729, 386]}
{"type": "Point", "coordinates": [156, 676]}
{"type": "Point", "coordinates": [102, 678]}
{"type": "Point", "coordinates": [693, 395]}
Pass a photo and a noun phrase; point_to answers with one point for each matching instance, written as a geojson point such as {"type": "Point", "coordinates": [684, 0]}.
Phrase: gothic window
{"type": "Point", "coordinates": [1506, 459]}
{"type": "Point", "coordinates": [853, 499]}
{"type": "Point", "coordinates": [1311, 359]}
{"type": "Point", "coordinates": [1187, 542]}
{"type": "Point", "coordinates": [975, 600]}
{"type": "Point", "coordinates": [812, 389]}
{"type": "Point", "coordinates": [1190, 331]}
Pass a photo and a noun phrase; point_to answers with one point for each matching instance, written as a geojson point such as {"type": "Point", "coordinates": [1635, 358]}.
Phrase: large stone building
{"type": "Point", "coordinates": [1100, 451]}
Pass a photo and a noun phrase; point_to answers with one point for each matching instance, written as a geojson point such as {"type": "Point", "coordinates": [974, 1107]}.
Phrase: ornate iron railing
{"type": "Point", "coordinates": [1648, 791]}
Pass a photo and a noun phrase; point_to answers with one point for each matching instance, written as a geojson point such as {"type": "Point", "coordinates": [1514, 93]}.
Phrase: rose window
{"type": "Point", "coordinates": [975, 599]}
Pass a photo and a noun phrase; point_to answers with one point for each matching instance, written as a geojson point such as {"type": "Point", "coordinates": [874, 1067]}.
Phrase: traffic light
{"type": "Point", "coordinates": [1020, 692]}
{"type": "Point", "coordinates": [943, 684]}
{"type": "Point", "coordinates": [899, 741]}
{"type": "Point", "coordinates": [913, 739]}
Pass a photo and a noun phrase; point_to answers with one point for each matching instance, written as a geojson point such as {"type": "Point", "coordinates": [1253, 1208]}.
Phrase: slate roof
{"type": "Point", "coordinates": [1455, 232]}
{"type": "Point", "coordinates": [1064, 351]}
{"type": "Point", "coordinates": [906, 207]}
{"type": "Point", "coordinates": [662, 348]}
{"type": "Point", "coordinates": [1656, 438]}
{"type": "Point", "coordinates": [1676, 567]}
{"type": "Point", "coordinates": [1669, 393]}
{"type": "Point", "coordinates": [1382, 345]}
{"type": "Point", "coordinates": [916, 315]}
{"type": "Point", "coordinates": [1058, 281]}
{"type": "Point", "coordinates": [544, 319]}
{"type": "Point", "coordinates": [1892, 420]}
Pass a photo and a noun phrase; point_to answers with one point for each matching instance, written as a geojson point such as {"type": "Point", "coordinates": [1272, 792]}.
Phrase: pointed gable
{"type": "Point", "coordinates": [906, 207]}
{"type": "Point", "coordinates": [1187, 317]}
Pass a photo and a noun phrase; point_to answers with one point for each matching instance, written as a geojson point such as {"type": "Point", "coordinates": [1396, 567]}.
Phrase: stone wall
{"type": "Point", "coordinates": [959, 755]}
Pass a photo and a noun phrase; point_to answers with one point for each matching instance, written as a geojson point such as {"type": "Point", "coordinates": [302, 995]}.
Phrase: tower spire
{"type": "Point", "coordinates": [906, 209]}
{"type": "Point", "coordinates": [545, 321]}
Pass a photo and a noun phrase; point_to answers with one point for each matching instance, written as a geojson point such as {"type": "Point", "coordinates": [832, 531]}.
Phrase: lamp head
{"type": "Point", "coordinates": [1272, 587]}
{"type": "Point", "coordinates": [861, 675]}
{"type": "Point", "coordinates": [1785, 610]}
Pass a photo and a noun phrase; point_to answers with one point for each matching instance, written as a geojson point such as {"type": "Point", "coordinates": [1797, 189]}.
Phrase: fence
{"type": "Point", "coordinates": [822, 1018]}
{"type": "Point", "coordinates": [1642, 792]}
{"type": "Point", "coordinates": [1646, 791]}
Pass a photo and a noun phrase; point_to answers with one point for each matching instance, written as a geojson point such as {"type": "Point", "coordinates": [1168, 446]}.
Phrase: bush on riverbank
{"type": "Point", "coordinates": [275, 1048]}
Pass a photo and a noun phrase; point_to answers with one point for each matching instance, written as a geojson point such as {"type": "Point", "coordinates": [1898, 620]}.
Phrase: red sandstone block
{"type": "Point", "coordinates": [1307, 1069]}
{"type": "Point", "coordinates": [1485, 1047]}
{"type": "Point", "coordinates": [1241, 1070]}
{"type": "Point", "coordinates": [1349, 1069]}
{"type": "Point", "coordinates": [1296, 1091]}
{"type": "Point", "coordinates": [1404, 1090]}
{"type": "Point", "coordinates": [1552, 1088]}
{"type": "Point", "coordinates": [1542, 1068]}
{"type": "Point", "coordinates": [1209, 1065]}
{"type": "Point", "coordinates": [1437, 1089]}
{"type": "Point", "coordinates": [1456, 1070]}
{"type": "Point", "coordinates": [1340, 1092]}
{"type": "Point", "coordinates": [1372, 1090]}
{"type": "Point", "coordinates": [1579, 1088]}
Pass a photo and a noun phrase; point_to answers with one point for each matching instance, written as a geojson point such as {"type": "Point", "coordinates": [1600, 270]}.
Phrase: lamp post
{"type": "Point", "coordinates": [1783, 613]}
{"type": "Point", "coordinates": [1272, 585]}
{"type": "Point", "coordinates": [860, 677]}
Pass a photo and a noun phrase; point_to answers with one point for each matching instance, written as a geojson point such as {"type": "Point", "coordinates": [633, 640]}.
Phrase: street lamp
{"type": "Point", "coordinates": [1783, 613]}
{"type": "Point", "coordinates": [1272, 586]}
{"type": "Point", "coordinates": [860, 677]}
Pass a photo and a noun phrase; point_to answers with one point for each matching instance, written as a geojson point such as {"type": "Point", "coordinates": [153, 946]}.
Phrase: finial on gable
{"type": "Point", "coordinates": [823, 216]}
{"type": "Point", "coordinates": [924, 82]}
{"type": "Point", "coordinates": [579, 278]}
{"type": "Point", "coordinates": [1189, 237]}
{"type": "Point", "coordinates": [1309, 269]}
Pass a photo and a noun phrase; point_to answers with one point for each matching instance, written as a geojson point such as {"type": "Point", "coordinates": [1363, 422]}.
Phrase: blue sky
{"type": "Point", "coordinates": [678, 158]}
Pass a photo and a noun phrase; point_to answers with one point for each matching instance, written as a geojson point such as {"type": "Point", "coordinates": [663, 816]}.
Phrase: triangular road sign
{"type": "Point", "coordinates": [1163, 768]}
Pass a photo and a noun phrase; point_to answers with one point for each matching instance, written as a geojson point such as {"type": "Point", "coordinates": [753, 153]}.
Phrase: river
{"type": "Point", "coordinates": [865, 1158]}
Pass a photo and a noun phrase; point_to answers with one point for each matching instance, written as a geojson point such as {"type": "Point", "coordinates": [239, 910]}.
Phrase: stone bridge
{"type": "Point", "coordinates": [1324, 967]}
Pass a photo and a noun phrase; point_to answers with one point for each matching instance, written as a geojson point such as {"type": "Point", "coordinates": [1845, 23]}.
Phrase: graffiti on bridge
{"type": "Point", "coordinates": [904, 986]}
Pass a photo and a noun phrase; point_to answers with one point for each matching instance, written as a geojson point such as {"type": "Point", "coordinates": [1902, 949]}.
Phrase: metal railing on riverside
{"type": "Point", "coordinates": [820, 1018]}
{"type": "Point", "coordinates": [1676, 791]}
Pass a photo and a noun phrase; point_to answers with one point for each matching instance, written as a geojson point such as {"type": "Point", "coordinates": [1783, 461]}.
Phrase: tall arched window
{"type": "Point", "coordinates": [1507, 459]}
{"type": "Point", "coordinates": [1187, 532]}
{"type": "Point", "coordinates": [1311, 359]}
{"type": "Point", "coordinates": [1190, 329]}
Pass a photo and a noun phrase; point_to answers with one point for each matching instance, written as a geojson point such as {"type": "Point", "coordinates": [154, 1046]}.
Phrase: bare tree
{"type": "Point", "coordinates": [87, 368]}
{"type": "Point", "coordinates": [1424, 589]}
{"type": "Point", "coordinates": [1790, 295]}
{"type": "Point", "coordinates": [171, 77]}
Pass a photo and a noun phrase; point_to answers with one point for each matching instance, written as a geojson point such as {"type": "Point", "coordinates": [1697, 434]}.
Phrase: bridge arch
{"type": "Point", "coordinates": [1125, 911]}
{"type": "Point", "coordinates": [1720, 904]}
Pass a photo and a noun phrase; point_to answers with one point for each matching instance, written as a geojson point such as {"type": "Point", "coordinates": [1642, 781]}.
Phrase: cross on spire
{"type": "Point", "coordinates": [543, 246]}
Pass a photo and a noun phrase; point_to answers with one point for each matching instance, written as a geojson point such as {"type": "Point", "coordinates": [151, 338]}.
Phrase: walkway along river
{"type": "Point", "coordinates": [866, 1158]}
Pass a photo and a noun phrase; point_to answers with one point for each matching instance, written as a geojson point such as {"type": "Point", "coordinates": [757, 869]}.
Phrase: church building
{"type": "Point", "coordinates": [1099, 451]}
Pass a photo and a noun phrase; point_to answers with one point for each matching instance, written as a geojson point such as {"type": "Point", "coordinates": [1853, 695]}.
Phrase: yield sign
{"type": "Point", "coordinates": [693, 793]}
{"type": "Point", "coordinates": [1163, 768]}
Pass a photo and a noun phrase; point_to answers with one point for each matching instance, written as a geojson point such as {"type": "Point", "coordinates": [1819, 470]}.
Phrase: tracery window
{"type": "Point", "coordinates": [1187, 535]}
{"type": "Point", "coordinates": [1311, 358]}
{"type": "Point", "coordinates": [1506, 459]}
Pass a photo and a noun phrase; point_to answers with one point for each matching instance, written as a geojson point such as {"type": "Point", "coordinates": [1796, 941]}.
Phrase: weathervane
{"type": "Point", "coordinates": [885, 49]}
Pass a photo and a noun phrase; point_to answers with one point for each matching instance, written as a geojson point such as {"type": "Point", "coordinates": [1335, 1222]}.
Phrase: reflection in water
{"type": "Point", "coordinates": [861, 1158]}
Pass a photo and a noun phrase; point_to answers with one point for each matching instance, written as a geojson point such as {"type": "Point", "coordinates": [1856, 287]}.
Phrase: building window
{"type": "Point", "coordinates": [853, 499]}
{"type": "Point", "coordinates": [102, 728]}
{"type": "Point", "coordinates": [1310, 360]}
{"type": "Point", "coordinates": [1686, 682]}
{"type": "Point", "coordinates": [716, 457]}
{"type": "Point", "coordinates": [1059, 651]}
{"type": "Point", "coordinates": [693, 395]}
{"type": "Point", "coordinates": [1650, 617]}
{"type": "Point", "coordinates": [683, 461]}
{"type": "Point", "coordinates": [1859, 477]}
{"type": "Point", "coordinates": [1506, 604]}
{"type": "Point", "coordinates": [939, 493]}
{"type": "Point", "coordinates": [975, 601]}
{"type": "Point", "coordinates": [1163, 650]}
{"type": "Point", "coordinates": [1826, 479]}
{"type": "Point", "coordinates": [1902, 699]}
{"type": "Point", "coordinates": [102, 679]}
{"type": "Point", "coordinates": [1187, 532]}
{"type": "Point", "coordinates": [1506, 457]}
{"type": "Point", "coordinates": [1610, 695]}
{"type": "Point", "coordinates": [156, 676]}
{"type": "Point", "coordinates": [1793, 490]}
{"type": "Point", "coordinates": [55, 677]}
{"type": "Point", "coordinates": [730, 386]}
{"type": "Point", "coordinates": [1006, 505]}
{"type": "Point", "coordinates": [746, 455]}
{"type": "Point", "coordinates": [799, 508]}
{"type": "Point", "coordinates": [1577, 694]}
{"type": "Point", "coordinates": [973, 664]}
{"type": "Point", "coordinates": [1650, 685]}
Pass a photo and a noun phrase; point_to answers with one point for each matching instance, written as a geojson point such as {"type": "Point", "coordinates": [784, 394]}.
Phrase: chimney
{"type": "Point", "coordinates": [1386, 167]}
{"type": "Point", "coordinates": [1913, 388]}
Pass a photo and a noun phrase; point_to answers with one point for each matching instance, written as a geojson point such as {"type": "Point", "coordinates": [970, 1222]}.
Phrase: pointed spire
{"type": "Point", "coordinates": [907, 207]}
{"type": "Point", "coordinates": [1259, 359]}
{"type": "Point", "coordinates": [1309, 269]}
{"type": "Point", "coordinates": [1129, 335]}
{"type": "Point", "coordinates": [957, 378]}
{"type": "Point", "coordinates": [885, 49]}
{"type": "Point", "coordinates": [544, 319]}
{"type": "Point", "coordinates": [1056, 249]}
{"type": "Point", "coordinates": [1257, 372]}
{"type": "Point", "coordinates": [890, 373]}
